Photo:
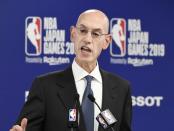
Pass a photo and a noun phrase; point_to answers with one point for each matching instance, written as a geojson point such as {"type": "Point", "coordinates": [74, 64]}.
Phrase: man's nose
{"type": "Point", "coordinates": [88, 38]}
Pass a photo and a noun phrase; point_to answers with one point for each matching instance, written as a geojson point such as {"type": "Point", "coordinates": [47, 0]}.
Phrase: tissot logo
{"type": "Point", "coordinates": [33, 36]}
{"type": "Point", "coordinates": [118, 31]}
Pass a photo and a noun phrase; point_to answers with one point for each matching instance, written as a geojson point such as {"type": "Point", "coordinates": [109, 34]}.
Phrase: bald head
{"type": "Point", "coordinates": [95, 16]}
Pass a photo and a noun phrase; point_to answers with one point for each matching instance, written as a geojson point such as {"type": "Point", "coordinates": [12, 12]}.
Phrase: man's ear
{"type": "Point", "coordinates": [108, 40]}
{"type": "Point", "coordinates": [72, 33]}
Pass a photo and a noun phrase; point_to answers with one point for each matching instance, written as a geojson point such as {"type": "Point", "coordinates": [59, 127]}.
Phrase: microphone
{"type": "Point", "coordinates": [91, 97]}
{"type": "Point", "coordinates": [106, 119]}
{"type": "Point", "coordinates": [73, 113]}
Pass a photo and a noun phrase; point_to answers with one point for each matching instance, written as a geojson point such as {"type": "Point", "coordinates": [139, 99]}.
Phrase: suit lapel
{"type": "Point", "coordinates": [67, 91]}
{"type": "Point", "coordinates": [109, 93]}
{"type": "Point", "coordinates": [109, 89]}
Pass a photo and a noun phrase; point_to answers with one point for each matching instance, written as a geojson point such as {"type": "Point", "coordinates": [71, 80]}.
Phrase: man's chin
{"type": "Point", "coordinates": [84, 60]}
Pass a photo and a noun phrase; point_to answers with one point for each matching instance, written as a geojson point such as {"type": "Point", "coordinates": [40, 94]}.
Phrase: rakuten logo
{"type": "Point", "coordinates": [149, 101]}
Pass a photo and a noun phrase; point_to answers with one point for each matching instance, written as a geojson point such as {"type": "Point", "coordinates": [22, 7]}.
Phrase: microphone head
{"type": "Point", "coordinates": [91, 97]}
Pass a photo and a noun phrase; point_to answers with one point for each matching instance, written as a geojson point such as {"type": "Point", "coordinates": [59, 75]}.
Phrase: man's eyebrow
{"type": "Point", "coordinates": [81, 25]}
{"type": "Point", "coordinates": [97, 29]}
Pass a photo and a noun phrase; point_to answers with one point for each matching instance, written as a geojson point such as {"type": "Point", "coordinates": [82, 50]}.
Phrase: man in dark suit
{"type": "Point", "coordinates": [52, 94]}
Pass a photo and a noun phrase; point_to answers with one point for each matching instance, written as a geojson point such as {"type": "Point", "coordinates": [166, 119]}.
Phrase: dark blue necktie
{"type": "Point", "coordinates": [88, 106]}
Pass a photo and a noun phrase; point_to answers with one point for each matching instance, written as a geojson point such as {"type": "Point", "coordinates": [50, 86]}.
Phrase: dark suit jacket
{"type": "Point", "coordinates": [52, 94]}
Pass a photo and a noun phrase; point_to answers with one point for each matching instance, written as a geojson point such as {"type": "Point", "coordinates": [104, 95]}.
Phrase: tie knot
{"type": "Point", "coordinates": [89, 78]}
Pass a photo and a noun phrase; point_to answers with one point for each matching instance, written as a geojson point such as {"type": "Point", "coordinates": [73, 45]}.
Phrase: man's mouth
{"type": "Point", "coordinates": [87, 49]}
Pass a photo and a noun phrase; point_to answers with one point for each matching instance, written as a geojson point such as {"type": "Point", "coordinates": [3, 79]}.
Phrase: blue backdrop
{"type": "Point", "coordinates": [146, 61]}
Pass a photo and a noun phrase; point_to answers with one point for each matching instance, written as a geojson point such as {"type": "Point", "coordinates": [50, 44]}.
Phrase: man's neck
{"type": "Point", "coordinates": [89, 67]}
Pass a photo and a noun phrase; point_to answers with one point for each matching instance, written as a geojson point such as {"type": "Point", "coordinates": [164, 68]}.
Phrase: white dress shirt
{"type": "Point", "coordinates": [96, 86]}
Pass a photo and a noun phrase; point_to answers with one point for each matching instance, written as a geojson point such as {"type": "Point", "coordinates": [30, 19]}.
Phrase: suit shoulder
{"type": "Point", "coordinates": [52, 75]}
{"type": "Point", "coordinates": [116, 78]}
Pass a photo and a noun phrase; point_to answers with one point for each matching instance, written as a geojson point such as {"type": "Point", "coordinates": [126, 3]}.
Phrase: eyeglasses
{"type": "Point", "coordinates": [95, 33]}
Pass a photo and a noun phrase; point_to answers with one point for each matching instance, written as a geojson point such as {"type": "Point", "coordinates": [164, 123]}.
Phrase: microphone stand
{"type": "Point", "coordinates": [92, 99]}
{"type": "Point", "coordinates": [112, 129]}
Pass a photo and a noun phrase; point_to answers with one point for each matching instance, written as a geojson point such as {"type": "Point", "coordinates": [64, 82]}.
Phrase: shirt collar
{"type": "Point", "coordinates": [79, 73]}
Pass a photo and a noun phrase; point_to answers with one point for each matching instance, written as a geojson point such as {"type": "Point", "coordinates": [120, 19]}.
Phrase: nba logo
{"type": "Point", "coordinates": [118, 31]}
{"type": "Point", "coordinates": [101, 121]}
{"type": "Point", "coordinates": [33, 44]}
{"type": "Point", "coordinates": [109, 117]}
{"type": "Point", "coordinates": [72, 115]}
